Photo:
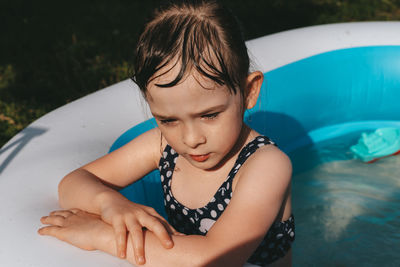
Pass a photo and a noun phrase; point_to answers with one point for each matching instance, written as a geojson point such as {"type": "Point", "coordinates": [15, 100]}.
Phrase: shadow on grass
{"type": "Point", "coordinates": [60, 51]}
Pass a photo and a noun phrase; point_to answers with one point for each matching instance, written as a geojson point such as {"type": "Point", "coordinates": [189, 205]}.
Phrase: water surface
{"type": "Point", "coordinates": [347, 212]}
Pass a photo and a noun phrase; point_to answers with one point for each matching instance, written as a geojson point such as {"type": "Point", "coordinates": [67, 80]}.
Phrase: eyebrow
{"type": "Point", "coordinates": [203, 112]}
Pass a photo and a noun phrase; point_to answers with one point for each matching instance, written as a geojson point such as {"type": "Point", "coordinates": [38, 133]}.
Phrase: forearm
{"type": "Point", "coordinates": [186, 250]}
{"type": "Point", "coordinates": [83, 190]}
{"type": "Point", "coordinates": [189, 250]}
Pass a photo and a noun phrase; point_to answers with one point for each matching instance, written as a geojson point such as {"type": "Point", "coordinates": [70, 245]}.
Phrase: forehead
{"type": "Point", "coordinates": [193, 93]}
{"type": "Point", "coordinates": [170, 72]}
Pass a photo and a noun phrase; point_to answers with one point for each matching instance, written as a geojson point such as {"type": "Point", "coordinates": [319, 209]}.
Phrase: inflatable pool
{"type": "Point", "coordinates": [321, 82]}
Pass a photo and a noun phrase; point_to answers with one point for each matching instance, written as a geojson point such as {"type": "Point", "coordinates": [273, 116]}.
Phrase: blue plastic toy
{"type": "Point", "coordinates": [376, 145]}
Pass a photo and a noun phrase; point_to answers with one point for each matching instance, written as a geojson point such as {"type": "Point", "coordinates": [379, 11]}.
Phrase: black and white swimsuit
{"type": "Point", "coordinates": [276, 242]}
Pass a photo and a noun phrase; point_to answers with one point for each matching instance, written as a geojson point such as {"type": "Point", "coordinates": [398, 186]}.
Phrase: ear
{"type": "Point", "coordinates": [253, 86]}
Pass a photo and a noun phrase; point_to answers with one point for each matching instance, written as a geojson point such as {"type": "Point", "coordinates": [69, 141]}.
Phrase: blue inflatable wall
{"type": "Point", "coordinates": [309, 101]}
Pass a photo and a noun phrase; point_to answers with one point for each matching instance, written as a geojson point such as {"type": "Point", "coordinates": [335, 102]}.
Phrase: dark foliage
{"type": "Point", "coordinates": [53, 52]}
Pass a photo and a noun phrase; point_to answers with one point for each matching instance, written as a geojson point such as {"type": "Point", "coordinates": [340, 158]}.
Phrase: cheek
{"type": "Point", "coordinates": [228, 131]}
{"type": "Point", "coordinates": [172, 136]}
{"type": "Point", "coordinates": [167, 132]}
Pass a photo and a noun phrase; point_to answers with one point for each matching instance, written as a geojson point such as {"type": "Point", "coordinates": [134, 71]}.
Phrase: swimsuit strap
{"type": "Point", "coordinates": [217, 204]}
{"type": "Point", "coordinates": [275, 243]}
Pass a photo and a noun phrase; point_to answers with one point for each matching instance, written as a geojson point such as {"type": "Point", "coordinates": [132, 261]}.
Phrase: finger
{"type": "Point", "coordinates": [170, 228]}
{"type": "Point", "coordinates": [136, 233]}
{"type": "Point", "coordinates": [63, 213]}
{"type": "Point", "coordinates": [50, 231]}
{"type": "Point", "coordinates": [154, 213]}
{"type": "Point", "coordinates": [56, 220]}
{"type": "Point", "coordinates": [157, 227]}
{"type": "Point", "coordinates": [120, 238]}
{"type": "Point", "coordinates": [75, 211]}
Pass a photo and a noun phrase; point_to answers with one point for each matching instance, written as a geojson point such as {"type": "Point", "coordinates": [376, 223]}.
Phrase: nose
{"type": "Point", "coordinates": [192, 136]}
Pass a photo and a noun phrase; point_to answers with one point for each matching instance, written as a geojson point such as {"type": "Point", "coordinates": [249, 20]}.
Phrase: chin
{"type": "Point", "coordinates": [209, 165]}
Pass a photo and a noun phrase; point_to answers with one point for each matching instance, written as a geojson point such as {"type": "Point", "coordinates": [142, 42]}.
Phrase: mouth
{"type": "Point", "coordinates": [200, 158]}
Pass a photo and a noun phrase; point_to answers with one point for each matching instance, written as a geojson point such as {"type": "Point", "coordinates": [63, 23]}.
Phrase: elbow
{"type": "Point", "coordinates": [61, 191]}
{"type": "Point", "coordinates": [63, 186]}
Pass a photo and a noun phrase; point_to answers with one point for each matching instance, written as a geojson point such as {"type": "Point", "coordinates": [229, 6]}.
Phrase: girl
{"type": "Point", "coordinates": [226, 187]}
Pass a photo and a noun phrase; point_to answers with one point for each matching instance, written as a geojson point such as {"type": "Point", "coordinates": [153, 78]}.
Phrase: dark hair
{"type": "Point", "coordinates": [200, 34]}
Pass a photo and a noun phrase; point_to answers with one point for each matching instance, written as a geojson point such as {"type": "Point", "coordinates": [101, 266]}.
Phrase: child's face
{"type": "Point", "coordinates": [200, 119]}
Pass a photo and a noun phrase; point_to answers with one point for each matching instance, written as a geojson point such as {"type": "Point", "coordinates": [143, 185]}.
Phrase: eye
{"type": "Point", "coordinates": [210, 116]}
{"type": "Point", "coordinates": [167, 121]}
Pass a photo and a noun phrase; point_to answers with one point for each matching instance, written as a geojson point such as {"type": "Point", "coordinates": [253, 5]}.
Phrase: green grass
{"type": "Point", "coordinates": [52, 52]}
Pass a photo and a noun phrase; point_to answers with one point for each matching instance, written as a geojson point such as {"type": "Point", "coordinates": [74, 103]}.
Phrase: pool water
{"type": "Point", "coordinates": [347, 212]}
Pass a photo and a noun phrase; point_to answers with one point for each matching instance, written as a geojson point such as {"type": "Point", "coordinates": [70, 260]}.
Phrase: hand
{"type": "Point", "coordinates": [125, 215]}
{"type": "Point", "coordinates": [76, 227]}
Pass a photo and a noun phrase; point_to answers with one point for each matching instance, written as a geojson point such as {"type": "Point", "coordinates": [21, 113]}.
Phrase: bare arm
{"type": "Point", "coordinates": [193, 250]}
{"type": "Point", "coordinates": [180, 255]}
{"type": "Point", "coordinates": [263, 183]}
{"type": "Point", "coordinates": [87, 231]}
{"type": "Point", "coordinates": [84, 190]}
{"type": "Point", "coordinates": [91, 188]}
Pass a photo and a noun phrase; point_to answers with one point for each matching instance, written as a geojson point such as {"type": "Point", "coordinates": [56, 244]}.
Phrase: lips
{"type": "Point", "coordinates": [200, 158]}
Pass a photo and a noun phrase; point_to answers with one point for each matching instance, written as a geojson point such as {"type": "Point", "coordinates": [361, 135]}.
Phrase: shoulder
{"type": "Point", "coordinates": [270, 157]}
{"type": "Point", "coordinates": [268, 162]}
{"type": "Point", "coordinates": [267, 172]}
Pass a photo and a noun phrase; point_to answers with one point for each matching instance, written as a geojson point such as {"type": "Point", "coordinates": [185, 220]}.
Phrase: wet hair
{"type": "Point", "coordinates": [200, 35]}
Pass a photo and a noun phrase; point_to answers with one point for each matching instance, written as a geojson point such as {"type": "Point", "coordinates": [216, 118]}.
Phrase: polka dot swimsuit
{"type": "Point", "coordinates": [276, 242]}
